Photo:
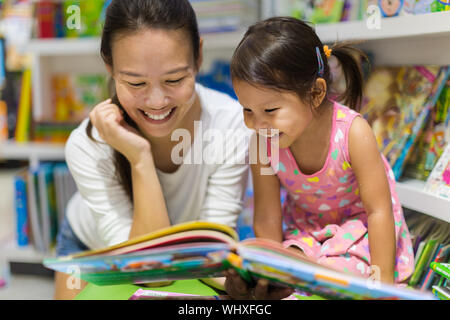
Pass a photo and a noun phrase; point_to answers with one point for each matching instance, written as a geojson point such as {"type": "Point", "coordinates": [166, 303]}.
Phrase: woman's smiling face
{"type": "Point", "coordinates": [154, 73]}
{"type": "Point", "coordinates": [271, 109]}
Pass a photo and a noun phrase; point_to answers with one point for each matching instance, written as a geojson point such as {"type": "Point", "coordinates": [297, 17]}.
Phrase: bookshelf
{"type": "Point", "coordinates": [33, 152]}
{"type": "Point", "coordinates": [412, 196]}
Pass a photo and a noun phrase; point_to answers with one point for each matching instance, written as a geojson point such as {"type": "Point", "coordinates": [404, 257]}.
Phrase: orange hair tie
{"type": "Point", "coordinates": [327, 51]}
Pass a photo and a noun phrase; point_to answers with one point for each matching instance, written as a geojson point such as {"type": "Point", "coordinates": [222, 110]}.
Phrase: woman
{"type": "Point", "coordinates": [124, 160]}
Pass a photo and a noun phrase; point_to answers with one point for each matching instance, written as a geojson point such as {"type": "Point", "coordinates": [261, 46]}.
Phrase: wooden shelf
{"type": "Point", "coordinates": [412, 196]}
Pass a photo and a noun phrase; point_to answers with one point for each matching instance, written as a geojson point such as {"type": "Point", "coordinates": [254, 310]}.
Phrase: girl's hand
{"type": "Point", "coordinates": [237, 288]}
{"type": "Point", "coordinates": [112, 128]}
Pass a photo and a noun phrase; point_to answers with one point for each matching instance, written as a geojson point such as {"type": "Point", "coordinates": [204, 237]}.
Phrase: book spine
{"type": "Point", "coordinates": [21, 210]}
{"type": "Point", "coordinates": [45, 13]}
{"type": "Point", "coordinates": [59, 20]}
{"type": "Point", "coordinates": [33, 202]}
{"type": "Point", "coordinates": [442, 269]}
{"type": "Point", "coordinates": [24, 110]}
{"type": "Point", "coordinates": [430, 273]}
{"type": "Point", "coordinates": [427, 252]}
{"type": "Point", "coordinates": [3, 121]}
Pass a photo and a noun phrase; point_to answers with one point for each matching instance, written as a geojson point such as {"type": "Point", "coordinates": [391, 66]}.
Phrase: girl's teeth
{"type": "Point", "coordinates": [269, 133]}
{"type": "Point", "coordinates": [158, 117]}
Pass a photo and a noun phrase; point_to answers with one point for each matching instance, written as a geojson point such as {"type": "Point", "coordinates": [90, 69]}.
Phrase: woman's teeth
{"type": "Point", "coordinates": [158, 117]}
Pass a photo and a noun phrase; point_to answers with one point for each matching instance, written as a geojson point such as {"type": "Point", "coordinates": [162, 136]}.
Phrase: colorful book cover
{"type": "Point", "coordinates": [327, 11]}
{"type": "Point", "coordinates": [21, 207]}
{"type": "Point", "coordinates": [431, 143]}
{"type": "Point", "coordinates": [428, 6]}
{"type": "Point", "coordinates": [187, 251]}
{"type": "Point", "coordinates": [406, 146]}
{"type": "Point", "coordinates": [438, 183]}
{"type": "Point", "coordinates": [397, 103]}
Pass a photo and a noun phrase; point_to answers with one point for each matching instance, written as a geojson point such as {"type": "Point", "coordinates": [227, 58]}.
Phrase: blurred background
{"type": "Point", "coordinates": [51, 75]}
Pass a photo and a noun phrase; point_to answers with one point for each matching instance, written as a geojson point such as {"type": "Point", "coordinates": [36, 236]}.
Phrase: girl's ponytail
{"type": "Point", "coordinates": [349, 60]}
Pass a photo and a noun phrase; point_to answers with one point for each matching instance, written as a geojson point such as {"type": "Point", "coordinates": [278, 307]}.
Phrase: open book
{"type": "Point", "coordinates": [196, 250]}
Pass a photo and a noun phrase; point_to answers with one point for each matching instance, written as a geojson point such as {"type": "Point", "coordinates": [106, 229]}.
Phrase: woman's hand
{"type": "Point", "coordinates": [238, 289]}
{"type": "Point", "coordinates": [109, 121]}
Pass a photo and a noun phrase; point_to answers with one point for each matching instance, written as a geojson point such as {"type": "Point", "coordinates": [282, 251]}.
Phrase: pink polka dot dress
{"type": "Point", "coordinates": [323, 212]}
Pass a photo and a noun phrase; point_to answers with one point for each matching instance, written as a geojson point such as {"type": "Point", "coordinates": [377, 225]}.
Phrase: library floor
{"type": "Point", "coordinates": [21, 287]}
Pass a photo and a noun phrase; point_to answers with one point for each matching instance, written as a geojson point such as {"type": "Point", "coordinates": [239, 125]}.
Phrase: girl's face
{"type": "Point", "coordinates": [154, 73]}
{"type": "Point", "coordinates": [270, 109]}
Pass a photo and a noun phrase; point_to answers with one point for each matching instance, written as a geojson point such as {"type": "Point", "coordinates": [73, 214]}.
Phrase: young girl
{"type": "Point", "coordinates": [342, 209]}
{"type": "Point", "coordinates": [122, 158]}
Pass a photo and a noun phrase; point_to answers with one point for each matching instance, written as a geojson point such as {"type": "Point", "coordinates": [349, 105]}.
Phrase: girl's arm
{"type": "Point", "coordinates": [267, 219]}
{"type": "Point", "coordinates": [375, 194]}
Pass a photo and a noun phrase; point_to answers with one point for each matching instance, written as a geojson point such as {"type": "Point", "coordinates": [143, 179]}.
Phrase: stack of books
{"type": "Point", "coordinates": [41, 196]}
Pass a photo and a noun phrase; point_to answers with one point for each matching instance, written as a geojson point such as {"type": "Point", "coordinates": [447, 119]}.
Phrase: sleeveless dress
{"type": "Point", "coordinates": [323, 214]}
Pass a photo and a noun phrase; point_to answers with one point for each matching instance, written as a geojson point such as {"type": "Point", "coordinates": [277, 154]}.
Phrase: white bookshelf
{"type": "Point", "coordinates": [10, 251]}
{"type": "Point", "coordinates": [412, 196]}
{"type": "Point", "coordinates": [33, 152]}
{"type": "Point", "coordinates": [410, 26]}
{"type": "Point", "coordinates": [413, 39]}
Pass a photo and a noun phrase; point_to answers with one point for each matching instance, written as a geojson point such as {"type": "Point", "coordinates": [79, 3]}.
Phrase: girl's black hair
{"type": "Point", "coordinates": [280, 53]}
{"type": "Point", "coordinates": [131, 16]}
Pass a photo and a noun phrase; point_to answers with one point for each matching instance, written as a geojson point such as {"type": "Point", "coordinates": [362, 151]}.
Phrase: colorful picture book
{"type": "Point", "coordinates": [331, 11]}
{"type": "Point", "coordinates": [438, 182]}
{"type": "Point", "coordinates": [431, 143]}
{"type": "Point", "coordinates": [196, 250]}
{"type": "Point", "coordinates": [397, 103]}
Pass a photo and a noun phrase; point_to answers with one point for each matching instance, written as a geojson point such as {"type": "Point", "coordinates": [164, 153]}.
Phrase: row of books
{"type": "Point", "coordinates": [72, 98]}
{"type": "Point", "coordinates": [431, 244]}
{"type": "Point", "coordinates": [69, 18]}
{"type": "Point", "coordinates": [333, 11]}
{"type": "Point", "coordinates": [41, 196]}
{"type": "Point", "coordinates": [407, 108]}
{"type": "Point", "coordinates": [84, 18]}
